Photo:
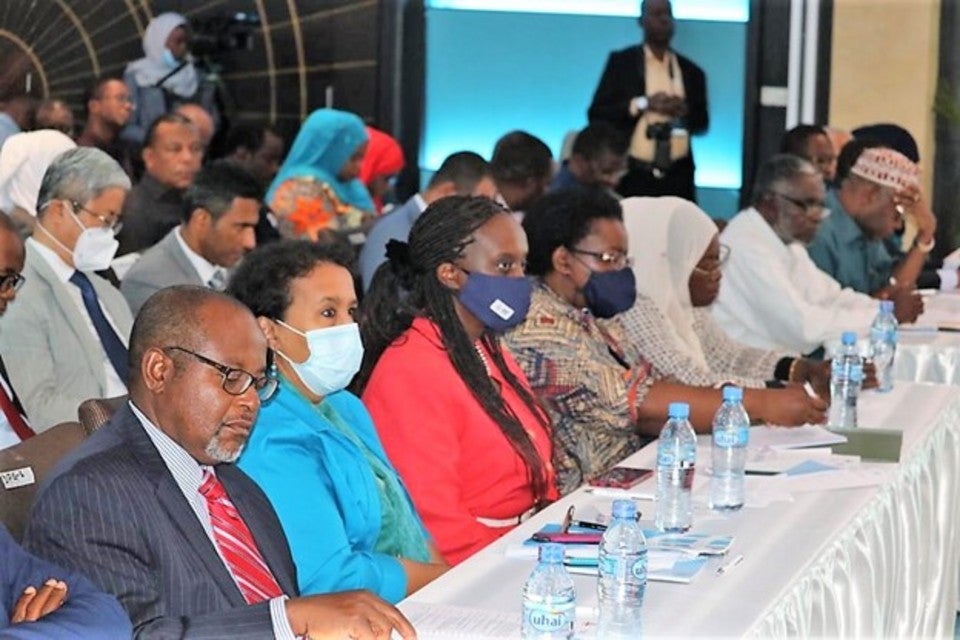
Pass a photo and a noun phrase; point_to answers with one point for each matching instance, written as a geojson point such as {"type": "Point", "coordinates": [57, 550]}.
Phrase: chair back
{"type": "Point", "coordinates": [23, 467]}
{"type": "Point", "coordinates": [96, 412]}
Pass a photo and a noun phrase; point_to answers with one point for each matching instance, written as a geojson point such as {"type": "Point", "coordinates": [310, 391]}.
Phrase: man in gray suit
{"type": "Point", "coordinates": [220, 219]}
{"type": "Point", "coordinates": [153, 510]}
{"type": "Point", "coordinates": [65, 339]}
{"type": "Point", "coordinates": [463, 174]}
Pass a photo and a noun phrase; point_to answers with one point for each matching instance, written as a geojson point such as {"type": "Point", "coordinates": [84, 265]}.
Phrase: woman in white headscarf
{"type": "Point", "coordinates": [24, 159]}
{"type": "Point", "coordinates": [165, 76]}
{"type": "Point", "coordinates": [677, 261]}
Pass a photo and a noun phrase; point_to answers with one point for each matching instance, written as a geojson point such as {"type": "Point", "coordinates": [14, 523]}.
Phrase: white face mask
{"type": "Point", "coordinates": [95, 248]}
{"type": "Point", "coordinates": [335, 357]}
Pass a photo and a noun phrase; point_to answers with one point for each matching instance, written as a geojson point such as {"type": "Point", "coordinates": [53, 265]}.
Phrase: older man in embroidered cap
{"type": "Point", "coordinates": [877, 186]}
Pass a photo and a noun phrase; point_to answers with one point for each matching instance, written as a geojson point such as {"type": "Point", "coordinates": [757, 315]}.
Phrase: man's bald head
{"type": "Point", "coordinates": [201, 119]}
{"type": "Point", "coordinates": [176, 316]}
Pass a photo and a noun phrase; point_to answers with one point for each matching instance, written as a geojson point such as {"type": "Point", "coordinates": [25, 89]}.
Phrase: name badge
{"type": "Point", "coordinates": [17, 478]}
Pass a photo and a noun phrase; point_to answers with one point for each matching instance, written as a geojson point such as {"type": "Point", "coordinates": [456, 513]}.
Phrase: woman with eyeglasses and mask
{"type": "Point", "coordinates": [314, 450]}
{"type": "Point", "coordinates": [454, 410]}
{"type": "Point", "coordinates": [605, 398]}
{"type": "Point", "coordinates": [677, 262]}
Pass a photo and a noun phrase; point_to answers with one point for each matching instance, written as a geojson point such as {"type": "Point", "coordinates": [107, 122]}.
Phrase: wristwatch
{"type": "Point", "coordinates": [641, 103]}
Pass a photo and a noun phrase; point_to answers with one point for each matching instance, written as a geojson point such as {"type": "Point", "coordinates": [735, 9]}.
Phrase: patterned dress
{"type": "Point", "coordinates": [590, 379]}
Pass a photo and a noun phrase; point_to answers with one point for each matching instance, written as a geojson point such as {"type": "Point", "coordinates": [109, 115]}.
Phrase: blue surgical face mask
{"type": "Point", "coordinates": [335, 357]}
{"type": "Point", "coordinates": [169, 60]}
{"type": "Point", "coordinates": [610, 292]}
{"type": "Point", "coordinates": [499, 302]}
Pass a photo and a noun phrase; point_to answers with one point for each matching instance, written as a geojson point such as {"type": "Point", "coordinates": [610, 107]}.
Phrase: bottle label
{"type": "Point", "coordinates": [550, 618]}
{"type": "Point", "coordinates": [609, 566]}
{"type": "Point", "coordinates": [856, 372]}
{"type": "Point", "coordinates": [888, 335]}
{"type": "Point", "coordinates": [727, 438]}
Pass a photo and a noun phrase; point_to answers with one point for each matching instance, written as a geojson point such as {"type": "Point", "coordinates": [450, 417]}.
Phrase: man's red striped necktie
{"type": "Point", "coordinates": [17, 422]}
{"type": "Point", "coordinates": [237, 545]}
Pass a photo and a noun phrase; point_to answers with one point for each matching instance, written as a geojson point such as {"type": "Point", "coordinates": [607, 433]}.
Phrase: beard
{"type": "Point", "coordinates": [219, 452]}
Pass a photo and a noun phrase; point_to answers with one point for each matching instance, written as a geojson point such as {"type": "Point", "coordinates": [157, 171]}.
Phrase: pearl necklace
{"type": "Point", "coordinates": [483, 358]}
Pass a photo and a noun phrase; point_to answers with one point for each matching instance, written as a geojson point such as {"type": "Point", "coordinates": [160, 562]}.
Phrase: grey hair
{"type": "Point", "coordinates": [80, 175]}
{"type": "Point", "coordinates": [777, 170]}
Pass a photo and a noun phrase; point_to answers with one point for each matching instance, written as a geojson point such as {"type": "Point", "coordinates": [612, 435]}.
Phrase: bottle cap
{"type": "Point", "coordinates": [886, 306]}
{"type": "Point", "coordinates": [551, 553]}
{"type": "Point", "coordinates": [848, 338]}
{"type": "Point", "coordinates": [624, 509]}
{"type": "Point", "coordinates": [732, 394]}
{"type": "Point", "coordinates": [679, 410]}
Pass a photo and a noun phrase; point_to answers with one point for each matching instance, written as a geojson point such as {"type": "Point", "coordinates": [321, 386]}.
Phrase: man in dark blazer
{"type": "Point", "coordinates": [14, 426]}
{"type": "Point", "coordinates": [131, 507]}
{"type": "Point", "coordinates": [624, 98]}
{"type": "Point", "coordinates": [218, 229]}
{"type": "Point", "coordinates": [39, 601]}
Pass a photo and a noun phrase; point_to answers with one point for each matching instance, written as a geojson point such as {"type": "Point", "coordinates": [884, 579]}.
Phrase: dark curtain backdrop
{"type": "Point", "coordinates": [303, 53]}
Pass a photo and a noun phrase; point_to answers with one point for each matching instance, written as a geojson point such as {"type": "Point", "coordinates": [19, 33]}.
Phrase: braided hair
{"type": "Point", "coordinates": [406, 286]}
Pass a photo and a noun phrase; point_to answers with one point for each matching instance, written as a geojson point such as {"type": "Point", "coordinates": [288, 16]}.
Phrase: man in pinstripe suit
{"type": "Point", "coordinates": [126, 508]}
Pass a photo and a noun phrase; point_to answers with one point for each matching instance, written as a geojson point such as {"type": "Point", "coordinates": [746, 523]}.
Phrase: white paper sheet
{"type": "Point", "coordinates": [808, 435]}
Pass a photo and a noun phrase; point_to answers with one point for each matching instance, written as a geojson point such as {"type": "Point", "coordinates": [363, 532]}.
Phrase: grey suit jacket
{"type": "Point", "coordinates": [162, 265]}
{"type": "Point", "coordinates": [113, 511]}
{"type": "Point", "coordinates": [53, 359]}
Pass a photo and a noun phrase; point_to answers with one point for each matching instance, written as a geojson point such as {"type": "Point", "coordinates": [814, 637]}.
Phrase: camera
{"type": "Point", "coordinates": [222, 34]}
{"type": "Point", "coordinates": [660, 131]}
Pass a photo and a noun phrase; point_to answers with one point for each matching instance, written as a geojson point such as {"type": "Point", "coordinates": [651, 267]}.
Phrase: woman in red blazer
{"type": "Point", "coordinates": [454, 411]}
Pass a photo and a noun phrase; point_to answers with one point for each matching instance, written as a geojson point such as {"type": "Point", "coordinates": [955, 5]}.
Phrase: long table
{"type": "Point", "coordinates": [879, 561]}
{"type": "Point", "coordinates": [931, 356]}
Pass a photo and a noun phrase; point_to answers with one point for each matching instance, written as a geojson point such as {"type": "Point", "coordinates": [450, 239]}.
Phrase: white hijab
{"type": "Point", "coordinates": [147, 71]}
{"type": "Point", "coordinates": [668, 236]}
{"type": "Point", "coordinates": [23, 161]}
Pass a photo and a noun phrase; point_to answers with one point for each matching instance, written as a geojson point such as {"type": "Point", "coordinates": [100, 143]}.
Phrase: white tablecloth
{"type": "Point", "coordinates": [931, 356]}
{"type": "Point", "coordinates": [879, 561]}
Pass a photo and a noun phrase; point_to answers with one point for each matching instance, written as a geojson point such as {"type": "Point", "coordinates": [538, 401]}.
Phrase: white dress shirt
{"type": "Point", "coordinates": [204, 268]}
{"type": "Point", "coordinates": [63, 271]}
{"type": "Point", "coordinates": [188, 474]}
{"type": "Point", "coordinates": [774, 297]}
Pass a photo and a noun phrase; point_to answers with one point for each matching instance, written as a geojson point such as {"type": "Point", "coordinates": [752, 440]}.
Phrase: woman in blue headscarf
{"type": "Point", "coordinates": [318, 187]}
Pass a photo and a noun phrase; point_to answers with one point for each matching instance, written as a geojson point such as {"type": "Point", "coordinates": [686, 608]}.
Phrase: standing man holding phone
{"type": "Point", "coordinates": [659, 99]}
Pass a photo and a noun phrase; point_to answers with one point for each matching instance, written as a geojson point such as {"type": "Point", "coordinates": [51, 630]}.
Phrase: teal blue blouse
{"type": "Point", "coordinates": [841, 249]}
{"type": "Point", "coordinates": [325, 492]}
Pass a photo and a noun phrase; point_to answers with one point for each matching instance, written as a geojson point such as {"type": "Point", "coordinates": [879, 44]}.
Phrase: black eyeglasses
{"type": "Point", "coordinates": [114, 223]}
{"type": "Point", "coordinates": [818, 206]}
{"type": "Point", "coordinates": [11, 282]}
{"type": "Point", "coordinates": [235, 381]}
{"type": "Point", "coordinates": [612, 258]}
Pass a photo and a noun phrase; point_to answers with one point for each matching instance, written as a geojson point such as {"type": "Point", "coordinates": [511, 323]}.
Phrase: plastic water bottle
{"type": "Point", "coordinates": [549, 599]}
{"type": "Point", "coordinates": [623, 574]}
{"type": "Point", "coordinates": [731, 432]}
{"type": "Point", "coordinates": [846, 375]}
{"type": "Point", "coordinates": [676, 463]}
{"type": "Point", "coordinates": [883, 344]}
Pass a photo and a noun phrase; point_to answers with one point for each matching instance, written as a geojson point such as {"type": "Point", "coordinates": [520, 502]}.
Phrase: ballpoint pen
{"type": "Point", "coordinates": [722, 569]}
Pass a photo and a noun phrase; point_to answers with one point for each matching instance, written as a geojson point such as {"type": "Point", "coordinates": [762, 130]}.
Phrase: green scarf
{"type": "Point", "coordinates": [400, 531]}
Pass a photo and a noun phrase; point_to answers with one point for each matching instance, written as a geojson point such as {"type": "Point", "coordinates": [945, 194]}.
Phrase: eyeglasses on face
{"type": "Point", "coordinates": [11, 282]}
{"type": "Point", "coordinates": [235, 381]}
{"type": "Point", "coordinates": [614, 259]}
{"type": "Point", "coordinates": [113, 223]}
{"type": "Point", "coordinates": [808, 206]}
{"type": "Point", "coordinates": [714, 266]}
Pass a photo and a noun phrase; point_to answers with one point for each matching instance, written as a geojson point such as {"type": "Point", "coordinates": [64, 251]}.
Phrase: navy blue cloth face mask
{"type": "Point", "coordinates": [499, 302]}
{"type": "Point", "coordinates": [610, 292]}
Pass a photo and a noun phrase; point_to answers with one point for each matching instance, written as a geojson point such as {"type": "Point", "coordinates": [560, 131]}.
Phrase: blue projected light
{"type": "Point", "coordinates": [712, 10]}
{"type": "Point", "coordinates": [489, 72]}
